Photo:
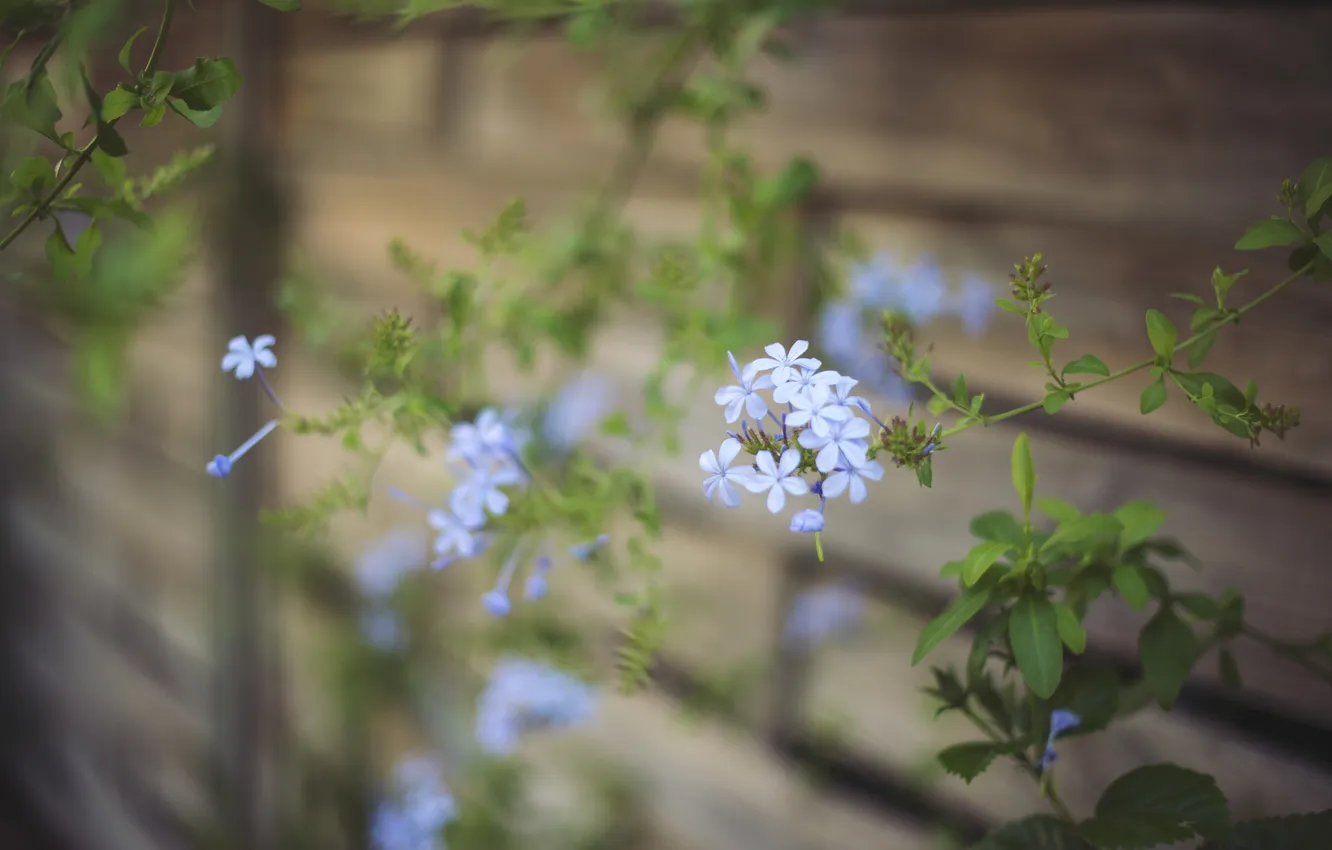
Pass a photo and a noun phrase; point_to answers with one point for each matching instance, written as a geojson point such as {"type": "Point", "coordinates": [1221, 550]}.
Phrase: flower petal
{"type": "Point", "coordinates": [730, 447]}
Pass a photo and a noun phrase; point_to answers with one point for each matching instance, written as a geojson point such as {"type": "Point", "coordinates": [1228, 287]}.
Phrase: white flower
{"type": "Point", "coordinates": [853, 480]}
{"type": "Point", "coordinates": [744, 395]}
{"type": "Point", "coordinates": [722, 479]}
{"type": "Point", "coordinates": [243, 356]}
{"type": "Point", "coordinates": [843, 446]}
{"type": "Point", "coordinates": [814, 410]}
{"type": "Point", "coordinates": [778, 478]}
{"type": "Point", "coordinates": [800, 382]}
{"type": "Point", "coordinates": [783, 362]}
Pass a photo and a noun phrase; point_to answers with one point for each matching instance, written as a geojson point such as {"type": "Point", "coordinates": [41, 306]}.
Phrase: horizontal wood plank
{"type": "Point", "coordinates": [1134, 114]}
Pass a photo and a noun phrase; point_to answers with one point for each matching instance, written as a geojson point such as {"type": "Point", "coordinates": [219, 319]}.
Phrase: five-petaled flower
{"type": "Point", "coordinates": [843, 445]}
{"type": "Point", "coordinates": [721, 478]}
{"type": "Point", "coordinates": [783, 362]}
{"type": "Point", "coordinates": [744, 395]}
{"type": "Point", "coordinates": [777, 477]}
{"type": "Point", "coordinates": [243, 357]}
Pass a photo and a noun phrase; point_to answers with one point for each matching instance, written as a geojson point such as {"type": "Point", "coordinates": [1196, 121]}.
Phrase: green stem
{"type": "Point", "coordinates": [1229, 318]}
{"type": "Point", "coordinates": [85, 153]}
{"type": "Point", "coordinates": [1293, 652]}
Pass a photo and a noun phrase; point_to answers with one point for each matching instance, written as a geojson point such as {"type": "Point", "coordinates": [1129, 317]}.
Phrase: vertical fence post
{"type": "Point", "coordinates": [248, 229]}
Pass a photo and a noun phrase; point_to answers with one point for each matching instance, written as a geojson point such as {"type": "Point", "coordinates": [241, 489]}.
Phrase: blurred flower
{"type": "Point", "coordinates": [920, 292]}
{"type": "Point", "coordinates": [1061, 721]}
{"type": "Point", "coordinates": [524, 695]}
{"type": "Point", "coordinates": [382, 629]}
{"type": "Point", "coordinates": [384, 562]}
{"type": "Point", "coordinates": [416, 809]}
{"type": "Point", "coordinates": [582, 404]}
{"type": "Point", "coordinates": [584, 551]}
{"type": "Point", "coordinates": [973, 304]}
{"type": "Point", "coordinates": [819, 614]}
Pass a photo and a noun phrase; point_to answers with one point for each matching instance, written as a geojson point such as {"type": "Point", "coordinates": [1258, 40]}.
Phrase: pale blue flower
{"type": "Point", "coordinates": [1061, 721]}
{"type": "Point", "coordinates": [814, 409]}
{"type": "Point", "coordinates": [581, 405]}
{"type": "Point", "coordinates": [852, 480]}
{"type": "Point", "coordinates": [844, 445]}
{"type": "Point", "coordinates": [479, 493]}
{"type": "Point", "coordinates": [584, 551]}
{"type": "Point", "coordinates": [455, 538]}
{"type": "Point", "coordinates": [807, 521]}
{"type": "Point", "coordinates": [841, 396]}
{"type": "Point", "coordinates": [382, 629]}
{"type": "Point", "coordinates": [777, 477]}
{"type": "Point", "coordinates": [722, 478]}
{"type": "Point", "coordinates": [536, 586]}
{"type": "Point", "coordinates": [524, 695]}
{"type": "Point", "coordinates": [973, 304]}
{"type": "Point", "coordinates": [874, 284]}
{"type": "Point", "coordinates": [744, 395]}
{"type": "Point", "coordinates": [783, 362]}
{"type": "Point", "coordinates": [496, 600]}
{"type": "Point", "coordinates": [489, 438]}
{"type": "Point", "coordinates": [841, 330]}
{"type": "Point", "coordinates": [921, 292]}
{"type": "Point", "coordinates": [244, 357]}
{"type": "Point", "coordinates": [801, 381]}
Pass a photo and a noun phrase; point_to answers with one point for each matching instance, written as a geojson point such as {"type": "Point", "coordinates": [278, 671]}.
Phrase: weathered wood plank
{"type": "Point", "coordinates": [1136, 113]}
{"type": "Point", "coordinates": [1263, 541]}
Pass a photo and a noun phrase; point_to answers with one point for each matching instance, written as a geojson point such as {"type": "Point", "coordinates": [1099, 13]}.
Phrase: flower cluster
{"type": "Point", "coordinates": [825, 431]}
{"type": "Point", "coordinates": [916, 292]}
{"type": "Point", "coordinates": [524, 695]}
{"type": "Point", "coordinates": [416, 809]}
{"type": "Point", "coordinates": [245, 360]}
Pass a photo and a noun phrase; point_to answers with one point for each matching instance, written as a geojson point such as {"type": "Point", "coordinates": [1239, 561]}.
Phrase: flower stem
{"type": "Point", "coordinates": [1230, 318]}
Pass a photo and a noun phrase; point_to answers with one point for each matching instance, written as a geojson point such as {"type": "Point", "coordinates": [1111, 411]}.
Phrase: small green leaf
{"type": "Point", "coordinates": [1163, 335]}
{"type": "Point", "coordinates": [1200, 349]}
{"type": "Point", "coordinates": [1087, 364]}
{"type": "Point", "coordinates": [960, 612]}
{"type": "Point", "coordinates": [1071, 631]}
{"type": "Point", "coordinates": [1000, 526]}
{"type": "Point", "coordinates": [283, 5]}
{"type": "Point", "coordinates": [1057, 509]}
{"type": "Point", "coordinates": [1131, 586]}
{"type": "Point", "coordinates": [1055, 401]}
{"type": "Point", "coordinates": [971, 759]}
{"type": "Point", "coordinates": [981, 557]}
{"type": "Point", "coordinates": [1008, 305]}
{"type": "Point", "coordinates": [205, 118]}
{"type": "Point", "coordinates": [1079, 530]}
{"type": "Point", "coordinates": [117, 103]}
{"type": "Point", "coordinates": [1152, 397]}
{"type": "Point", "coordinates": [1033, 632]}
{"type": "Point", "coordinates": [960, 391]}
{"type": "Point", "coordinates": [125, 57]}
{"type": "Point", "coordinates": [1315, 186]}
{"type": "Point", "coordinates": [1140, 520]}
{"type": "Point", "coordinates": [32, 103]}
{"type": "Point", "coordinates": [1155, 805]}
{"type": "Point", "coordinates": [1324, 243]}
{"type": "Point", "coordinates": [1024, 472]}
{"type": "Point", "coordinates": [1168, 650]}
{"type": "Point", "coordinates": [1273, 233]}
{"type": "Point", "coordinates": [206, 84]}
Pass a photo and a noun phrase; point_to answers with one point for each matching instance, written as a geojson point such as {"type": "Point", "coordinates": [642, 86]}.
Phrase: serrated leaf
{"type": "Point", "coordinates": [1038, 832]}
{"type": "Point", "coordinates": [962, 609]}
{"type": "Point", "coordinates": [1273, 233]}
{"type": "Point", "coordinates": [1293, 832]}
{"type": "Point", "coordinates": [1168, 650]}
{"type": "Point", "coordinates": [970, 760]}
{"type": "Point", "coordinates": [1070, 628]}
{"type": "Point", "coordinates": [1140, 520]}
{"type": "Point", "coordinates": [1033, 632]}
{"type": "Point", "coordinates": [1155, 805]}
{"type": "Point", "coordinates": [981, 557]}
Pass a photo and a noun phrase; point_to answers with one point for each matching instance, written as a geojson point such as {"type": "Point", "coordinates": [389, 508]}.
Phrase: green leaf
{"type": "Point", "coordinates": [962, 609]}
{"type": "Point", "coordinates": [1071, 631]}
{"type": "Point", "coordinates": [1273, 233]}
{"type": "Point", "coordinates": [1087, 364]}
{"type": "Point", "coordinates": [1091, 691]}
{"type": "Point", "coordinates": [1315, 186]}
{"type": "Point", "coordinates": [1292, 832]}
{"type": "Point", "coordinates": [1163, 335]}
{"type": "Point", "coordinates": [33, 174]}
{"type": "Point", "coordinates": [981, 557]}
{"type": "Point", "coordinates": [788, 186]}
{"type": "Point", "coordinates": [1038, 832]}
{"type": "Point", "coordinates": [283, 5]}
{"type": "Point", "coordinates": [206, 84]}
{"type": "Point", "coordinates": [1155, 805]}
{"type": "Point", "coordinates": [33, 106]}
{"type": "Point", "coordinates": [971, 759]}
{"type": "Point", "coordinates": [1024, 472]}
{"type": "Point", "coordinates": [101, 373]}
{"type": "Point", "coordinates": [1033, 632]}
{"type": "Point", "coordinates": [1168, 650]}
{"type": "Point", "coordinates": [1078, 530]}
{"type": "Point", "coordinates": [1128, 581]}
{"type": "Point", "coordinates": [118, 103]}
{"type": "Point", "coordinates": [1140, 520]}
{"type": "Point", "coordinates": [1000, 526]}
{"type": "Point", "coordinates": [1152, 397]}
{"type": "Point", "coordinates": [1055, 401]}
{"type": "Point", "coordinates": [960, 390]}
{"type": "Point", "coordinates": [125, 57]}
{"type": "Point", "coordinates": [1187, 296]}
{"type": "Point", "coordinates": [1324, 243]}
{"type": "Point", "coordinates": [1200, 349]}
{"type": "Point", "coordinates": [204, 119]}
{"type": "Point", "coordinates": [1057, 509]}
{"type": "Point", "coordinates": [111, 169]}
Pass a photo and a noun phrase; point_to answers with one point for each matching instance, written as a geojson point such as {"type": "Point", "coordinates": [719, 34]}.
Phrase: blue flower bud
{"type": "Point", "coordinates": [807, 521]}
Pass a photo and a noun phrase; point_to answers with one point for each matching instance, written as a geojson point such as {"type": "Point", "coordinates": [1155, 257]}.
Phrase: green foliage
{"type": "Point", "coordinates": [1155, 805]}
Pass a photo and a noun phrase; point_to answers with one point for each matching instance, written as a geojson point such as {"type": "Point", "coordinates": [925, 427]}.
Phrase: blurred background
{"type": "Point", "coordinates": [185, 681]}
